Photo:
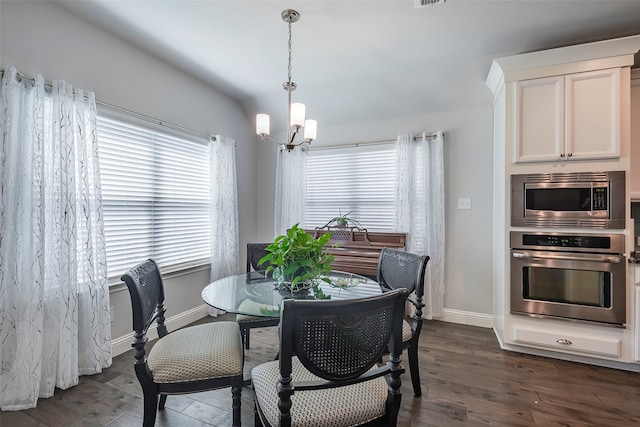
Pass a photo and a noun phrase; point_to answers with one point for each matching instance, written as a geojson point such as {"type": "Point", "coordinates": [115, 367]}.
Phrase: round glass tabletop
{"type": "Point", "coordinates": [256, 295]}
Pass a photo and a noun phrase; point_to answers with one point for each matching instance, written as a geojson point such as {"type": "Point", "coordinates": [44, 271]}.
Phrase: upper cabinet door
{"type": "Point", "coordinates": [593, 114]}
{"type": "Point", "coordinates": [572, 117]}
{"type": "Point", "coordinates": [539, 124]}
{"type": "Point", "coordinates": [634, 179]}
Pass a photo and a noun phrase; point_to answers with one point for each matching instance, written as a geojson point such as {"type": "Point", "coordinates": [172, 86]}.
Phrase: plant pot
{"type": "Point", "coordinates": [285, 290]}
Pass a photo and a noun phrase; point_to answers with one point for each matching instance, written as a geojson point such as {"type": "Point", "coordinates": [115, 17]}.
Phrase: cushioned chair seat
{"type": "Point", "coordinates": [255, 307]}
{"type": "Point", "coordinates": [407, 333]}
{"type": "Point", "coordinates": [212, 350]}
{"type": "Point", "coordinates": [247, 318]}
{"type": "Point", "coordinates": [335, 407]}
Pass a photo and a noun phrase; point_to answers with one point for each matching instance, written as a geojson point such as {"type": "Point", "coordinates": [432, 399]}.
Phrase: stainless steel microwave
{"type": "Point", "coordinates": [572, 200]}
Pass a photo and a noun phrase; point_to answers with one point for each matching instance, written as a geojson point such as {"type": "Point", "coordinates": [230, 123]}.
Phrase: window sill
{"type": "Point", "coordinates": [169, 272]}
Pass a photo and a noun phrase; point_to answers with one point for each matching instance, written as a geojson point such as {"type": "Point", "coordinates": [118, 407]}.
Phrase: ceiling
{"type": "Point", "coordinates": [354, 61]}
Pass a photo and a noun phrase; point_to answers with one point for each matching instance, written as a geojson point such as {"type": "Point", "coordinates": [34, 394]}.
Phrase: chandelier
{"type": "Point", "coordinates": [296, 110]}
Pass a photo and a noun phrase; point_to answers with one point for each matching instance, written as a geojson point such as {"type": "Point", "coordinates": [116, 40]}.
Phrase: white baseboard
{"type": "Point", "coordinates": [123, 344]}
{"type": "Point", "coordinates": [467, 318]}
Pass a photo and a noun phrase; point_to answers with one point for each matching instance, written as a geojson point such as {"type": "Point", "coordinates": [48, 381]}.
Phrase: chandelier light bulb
{"type": "Point", "coordinates": [262, 124]}
{"type": "Point", "coordinates": [297, 114]}
{"type": "Point", "coordinates": [310, 129]}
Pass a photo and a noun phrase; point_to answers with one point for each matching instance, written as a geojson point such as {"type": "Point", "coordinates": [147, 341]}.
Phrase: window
{"type": "Point", "coordinates": [155, 192]}
{"type": "Point", "coordinates": [360, 180]}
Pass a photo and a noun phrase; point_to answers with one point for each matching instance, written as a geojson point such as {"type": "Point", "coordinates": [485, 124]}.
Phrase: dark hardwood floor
{"type": "Point", "coordinates": [467, 381]}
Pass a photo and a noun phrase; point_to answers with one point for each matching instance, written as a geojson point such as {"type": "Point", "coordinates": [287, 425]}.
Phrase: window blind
{"type": "Point", "coordinates": [360, 180]}
{"type": "Point", "coordinates": [156, 195]}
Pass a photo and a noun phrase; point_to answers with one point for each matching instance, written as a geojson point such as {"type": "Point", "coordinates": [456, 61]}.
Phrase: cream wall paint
{"type": "Point", "coordinates": [468, 173]}
{"type": "Point", "coordinates": [41, 37]}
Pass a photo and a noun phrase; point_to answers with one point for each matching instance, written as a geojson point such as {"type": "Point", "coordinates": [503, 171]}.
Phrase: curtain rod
{"type": "Point", "coordinates": [140, 116]}
{"type": "Point", "coordinates": [156, 121]}
{"type": "Point", "coordinates": [204, 135]}
{"type": "Point", "coordinates": [416, 137]}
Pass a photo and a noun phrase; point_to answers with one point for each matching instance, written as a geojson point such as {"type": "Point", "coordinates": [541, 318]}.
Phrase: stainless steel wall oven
{"type": "Point", "coordinates": [579, 277]}
{"type": "Point", "coordinates": [571, 200]}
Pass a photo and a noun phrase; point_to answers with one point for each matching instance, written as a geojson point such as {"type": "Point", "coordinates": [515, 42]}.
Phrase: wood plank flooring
{"type": "Point", "coordinates": [467, 380]}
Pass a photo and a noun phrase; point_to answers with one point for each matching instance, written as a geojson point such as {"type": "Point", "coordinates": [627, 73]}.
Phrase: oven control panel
{"type": "Point", "coordinates": [567, 241]}
{"type": "Point", "coordinates": [607, 243]}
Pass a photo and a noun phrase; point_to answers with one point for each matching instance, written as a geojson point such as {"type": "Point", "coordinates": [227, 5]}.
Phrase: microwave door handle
{"type": "Point", "coordinates": [603, 258]}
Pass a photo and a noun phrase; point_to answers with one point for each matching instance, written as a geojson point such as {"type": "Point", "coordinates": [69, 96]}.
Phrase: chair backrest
{"type": "Point", "coordinates": [400, 269]}
{"type": "Point", "coordinates": [341, 340]}
{"type": "Point", "coordinates": [255, 252]}
{"type": "Point", "coordinates": [147, 295]}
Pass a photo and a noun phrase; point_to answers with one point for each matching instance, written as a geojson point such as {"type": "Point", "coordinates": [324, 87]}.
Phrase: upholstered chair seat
{"type": "Point", "coordinates": [335, 407]}
{"type": "Point", "coordinates": [212, 350]}
{"type": "Point", "coordinates": [407, 332]}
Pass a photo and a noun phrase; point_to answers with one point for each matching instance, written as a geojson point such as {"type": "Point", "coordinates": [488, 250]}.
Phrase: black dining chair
{"type": "Point", "coordinates": [255, 252]}
{"type": "Point", "coordinates": [398, 269]}
{"type": "Point", "coordinates": [188, 360]}
{"type": "Point", "coordinates": [328, 374]}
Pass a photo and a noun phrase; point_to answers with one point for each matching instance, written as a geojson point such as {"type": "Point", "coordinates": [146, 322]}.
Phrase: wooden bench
{"type": "Point", "coordinates": [357, 250]}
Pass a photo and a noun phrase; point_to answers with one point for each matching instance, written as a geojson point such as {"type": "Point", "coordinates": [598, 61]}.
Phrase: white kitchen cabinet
{"type": "Point", "coordinates": [549, 103]}
{"type": "Point", "coordinates": [634, 181]}
{"type": "Point", "coordinates": [570, 117]}
{"type": "Point", "coordinates": [539, 120]}
{"type": "Point", "coordinates": [589, 344]}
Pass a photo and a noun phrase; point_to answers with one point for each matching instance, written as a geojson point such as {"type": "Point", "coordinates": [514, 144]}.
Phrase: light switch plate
{"type": "Point", "coordinates": [464, 203]}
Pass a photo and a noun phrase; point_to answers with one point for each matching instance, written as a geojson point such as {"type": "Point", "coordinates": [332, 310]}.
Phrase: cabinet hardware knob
{"type": "Point", "coordinates": [563, 341]}
{"type": "Point", "coordinates": [562, 155]}
{"type": "Point", "coordinates": [569, 154]}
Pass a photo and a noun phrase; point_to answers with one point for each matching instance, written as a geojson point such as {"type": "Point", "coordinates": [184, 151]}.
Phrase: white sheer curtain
{"type": "Point", "coordinates": [225, 253]}
{"type": "Point", "coordinates": [420, 209]}
{"type": "Point", "coordinates": [54, 295]}
{"type": "Point", "coordinates": [291, 189]}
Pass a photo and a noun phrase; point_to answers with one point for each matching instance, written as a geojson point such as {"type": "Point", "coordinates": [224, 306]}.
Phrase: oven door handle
{"type": "Point", "coordinates": [604, 258]}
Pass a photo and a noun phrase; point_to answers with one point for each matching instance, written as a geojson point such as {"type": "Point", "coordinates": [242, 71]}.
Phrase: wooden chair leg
{"type": "Point", "coordinates": [413, 367]}
{"type": "Point", "coordinates": [150, 408]}
{"type": "Point", "coordinates": [244, 334]}
{"type": "Point", "coordinates": [163, 399]}
{"type": "Point", "coordinates": [236, 391]}
{"type": "Point", "coordinates": [256, 418]}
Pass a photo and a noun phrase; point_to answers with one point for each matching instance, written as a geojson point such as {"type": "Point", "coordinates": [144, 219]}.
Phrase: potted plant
{"type": "Point", "coordinates": [343, 220]}
{"type": "Point", "coordinates": [297, 259]}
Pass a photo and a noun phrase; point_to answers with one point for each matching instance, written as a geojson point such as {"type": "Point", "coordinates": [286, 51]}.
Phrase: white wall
{"type": "Point", "coordinates": [42, 38]}
{"type": "Point", "coordinates": [468, 173]}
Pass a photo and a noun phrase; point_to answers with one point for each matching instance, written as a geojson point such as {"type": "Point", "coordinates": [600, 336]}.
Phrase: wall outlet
{"type": "Point", "coordinates": [464, 203]}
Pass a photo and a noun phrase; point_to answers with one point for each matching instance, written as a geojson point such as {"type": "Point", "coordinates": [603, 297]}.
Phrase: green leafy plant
{"type": "Point", "coordinates": [297, 259]}
{"type": "Point", "coordinates": [343, 220]}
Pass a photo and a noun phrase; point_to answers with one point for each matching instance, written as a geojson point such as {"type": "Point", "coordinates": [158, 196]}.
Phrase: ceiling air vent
{"type": "Point", "coordinates": [424, 3]}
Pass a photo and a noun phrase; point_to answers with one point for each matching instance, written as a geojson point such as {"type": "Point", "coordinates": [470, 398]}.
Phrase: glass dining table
{"type": "Point", "coordinates": [258, 295]}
